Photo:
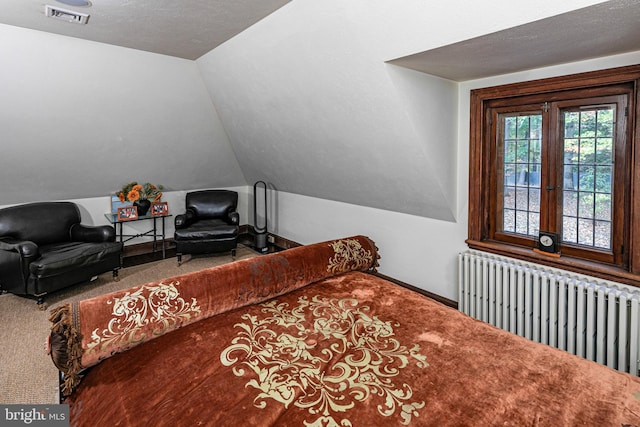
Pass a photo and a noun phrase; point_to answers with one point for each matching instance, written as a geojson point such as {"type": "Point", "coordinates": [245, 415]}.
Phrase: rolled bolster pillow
{"type": "Point", "coordinates": [86, 332]}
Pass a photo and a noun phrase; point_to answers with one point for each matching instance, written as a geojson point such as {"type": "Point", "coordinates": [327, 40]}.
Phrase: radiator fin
{"type": "Point", "coordinates": [591, 318]}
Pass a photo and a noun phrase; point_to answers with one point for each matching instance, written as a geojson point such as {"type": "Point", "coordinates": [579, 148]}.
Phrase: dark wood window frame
{"type": "Point", "coordinates": [481, 174]}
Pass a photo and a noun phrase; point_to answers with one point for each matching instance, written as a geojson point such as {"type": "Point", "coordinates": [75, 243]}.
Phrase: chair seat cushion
{"type": "Point", "coordinates": [207, 229]}
{"type": "Point", "coordinates": [63, 257]}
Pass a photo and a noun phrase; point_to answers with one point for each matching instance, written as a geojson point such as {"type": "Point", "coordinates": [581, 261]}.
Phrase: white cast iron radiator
{"type": "Point", "coordinates": [592, 318]}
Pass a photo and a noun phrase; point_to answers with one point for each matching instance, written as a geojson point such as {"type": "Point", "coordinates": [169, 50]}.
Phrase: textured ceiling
{"type": "Point", "coordinates": [604, 29]}
{"type": "Point", "coordinates": [185, 28]}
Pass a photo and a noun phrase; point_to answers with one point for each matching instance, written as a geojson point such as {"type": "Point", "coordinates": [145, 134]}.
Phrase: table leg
{"type": "Point", "coordinates": [155, 234]}
{"type": "Point", "coordinates": [163, 238]}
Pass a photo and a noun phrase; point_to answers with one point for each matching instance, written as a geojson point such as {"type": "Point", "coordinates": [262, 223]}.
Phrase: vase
{"type": "Point", "coordinates": [143, 206]}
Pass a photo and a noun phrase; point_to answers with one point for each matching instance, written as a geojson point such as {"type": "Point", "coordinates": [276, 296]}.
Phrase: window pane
{"type": "Point", "coordinates": [509, 220]}
{"type": "Point", "coordinates": [534, 223]}
{"type": "Point", "coordinates": [588, 168]}
{"type": "Point", "coordinates": [570, 177]}
{"type": "Point", "coordinates": [603, 178]}
{"type": "Point", "coordinates": [603, 234]}
{"type": "Point", "coordinates": [522, 148]}
{"type": "Point", "coordinates": [509, 197]}
{"type": "Point", "coordinates": [585, 205]}
{"type": "Point", "coordinates": [570, 229]}
{"type": "Point", "coordinates": [570, 203]}
{"type": "Point", "coordinates": [522, 199]}
{"type": "Point", "coordinates": [522, 153]}
{"type": "Point", "coordinates": [523, 127]}
{"type": "Point", "coordinates": [587, 150]}
{"type": "Point", "coordinates": [585, 178]}
{"type": "Point", "coordinates": [571, 125]}
{"type": "Point", "coordinates": [587, 123]}
{"type": "Point", "coordinates": [509, 150]}
{"type": "Point", "coordinates": [585, 232]}
{"type": "Point", "coordinates": [522, 226]}
{"type": "Point", "coordinates": [510, 128]}
{"type": "Point", "coordinates": [534, 200]}
{"type": "Point", "coordinates": [603, 207]}
{"type": "Point", "coordinates": [535, 127]}
{"type": "Point", "coordinates": [605, 123]}
{"type": "Point", "coordinates": [604, 150]}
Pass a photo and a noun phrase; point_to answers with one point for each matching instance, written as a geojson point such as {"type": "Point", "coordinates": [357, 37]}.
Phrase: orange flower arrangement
{"type": "Point", "coordinates": [133, 192]}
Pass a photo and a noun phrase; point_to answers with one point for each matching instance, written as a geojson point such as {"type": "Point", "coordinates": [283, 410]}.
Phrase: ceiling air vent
{"type": "Point", "coordinates": [66, 15]}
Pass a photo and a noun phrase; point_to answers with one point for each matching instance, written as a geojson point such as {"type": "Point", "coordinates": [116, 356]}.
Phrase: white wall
{"type": "Point", "coordinates": [416, 250]}
{"type": "Point", "coordinates": [311, 106]}
{"type": "Point", "coordinates": [80, 119]}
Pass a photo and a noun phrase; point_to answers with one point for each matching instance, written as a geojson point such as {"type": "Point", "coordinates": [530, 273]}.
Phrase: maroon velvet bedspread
{"type": "Point", "coordinates": [350, 350]}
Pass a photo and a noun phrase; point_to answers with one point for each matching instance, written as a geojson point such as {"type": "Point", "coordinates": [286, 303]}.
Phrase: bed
{"type": "Point", "coordinates": [310, 337]}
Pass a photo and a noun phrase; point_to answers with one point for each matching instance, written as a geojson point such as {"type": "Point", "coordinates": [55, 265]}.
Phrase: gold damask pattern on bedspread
{"type": "Point", "coordinates": [87, 332]}
{"type": "Point", "coordinates": [159, 306]}
{"type": "Point", "coordinates": [326, 356]}
{"type": "Point", "coordinates": [349, 255]}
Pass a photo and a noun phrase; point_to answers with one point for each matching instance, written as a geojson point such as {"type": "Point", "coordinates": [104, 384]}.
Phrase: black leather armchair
{"type": "Point", "coordinates": [210, 223]}
{"type": "Point", "coordinates": [44, 248]}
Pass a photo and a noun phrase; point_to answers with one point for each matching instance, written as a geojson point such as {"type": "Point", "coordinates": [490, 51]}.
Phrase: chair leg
{"type": "Point", "coordinates": [233, 254]}
{"type": "Point", "coordinates": [116, 278]}
{"type": "Point", "coordinates": [41, 305]}
{"type": "Point", "coordinates": [179, 259]}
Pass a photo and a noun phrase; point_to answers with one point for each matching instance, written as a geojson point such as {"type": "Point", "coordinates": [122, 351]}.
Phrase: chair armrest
{"type": "Point", "coordinates": [234, 218]}
{"type": "Point", "coordinates": [184, 220]}
{"type": "Point", "coordinates": [180, 221]}
{"type": "Point", "coordinates": [25, 248]}
{"type": "Point", "coordinates": [92, 233]}
{"type": "Point", "coordinates": [15, 257]}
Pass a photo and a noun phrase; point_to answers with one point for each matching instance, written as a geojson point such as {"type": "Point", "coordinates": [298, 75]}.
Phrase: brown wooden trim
{"type": "Point", "coordinates": [634, 192]}
{"type": "Point", "coordinates": [279, 242]}
{"type": "Point", "coordinates": [435, 297]}
{"type": "Point", "coordinates": [479, 234]}
{"type": "Point", "coordinates": [283, 243]}
{"type": "Point", "coordinates": [476, 219]}
{"type": "Point", "coordinates": [553, 84]}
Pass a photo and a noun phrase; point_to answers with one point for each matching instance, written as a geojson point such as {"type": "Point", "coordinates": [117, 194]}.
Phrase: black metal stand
{"type": "Point", "coordinates": [260, 238]}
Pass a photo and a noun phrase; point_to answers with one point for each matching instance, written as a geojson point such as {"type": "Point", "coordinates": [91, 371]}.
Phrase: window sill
{"type": "Point", "coordinates": [591, 268]}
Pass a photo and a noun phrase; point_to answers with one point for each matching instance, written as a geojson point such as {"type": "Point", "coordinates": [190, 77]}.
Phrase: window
{"type": "Point", "coordinates": [555, 156]}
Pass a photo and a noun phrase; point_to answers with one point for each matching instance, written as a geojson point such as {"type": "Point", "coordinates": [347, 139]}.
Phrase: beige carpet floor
{"type": "Point", "coordinates": [27, 374]}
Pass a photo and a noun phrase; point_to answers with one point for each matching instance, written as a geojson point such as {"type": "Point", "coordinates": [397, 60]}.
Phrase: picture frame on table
{"type": "Point", "coordinates": [116, 203]}
{"type": "Point", "coordinates": [159, 208]}
{"type": "Point", "coordinates": [127, 213]}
